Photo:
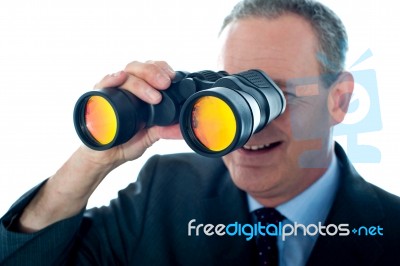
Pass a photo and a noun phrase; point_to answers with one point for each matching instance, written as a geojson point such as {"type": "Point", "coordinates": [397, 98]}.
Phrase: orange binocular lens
{"type": "Point", "coordinates": [100, 119]}
{"type": "Point", "coordinates": [216, 121]}
{"type": "Point", "coordinates": [213, 123]}
{"type": "Point", "coordinates": [107, 117]}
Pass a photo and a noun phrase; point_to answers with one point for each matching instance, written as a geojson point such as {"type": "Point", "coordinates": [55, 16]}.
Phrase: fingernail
{"type": "Point", "coordinates": [116, 74]}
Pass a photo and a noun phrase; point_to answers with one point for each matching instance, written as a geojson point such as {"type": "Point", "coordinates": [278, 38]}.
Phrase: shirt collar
{"type": "Point", "coordinates": [313, 204]}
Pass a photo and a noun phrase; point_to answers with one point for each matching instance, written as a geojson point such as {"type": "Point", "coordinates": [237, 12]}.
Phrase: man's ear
{"type": "Point", "coordinates": [339, 97]}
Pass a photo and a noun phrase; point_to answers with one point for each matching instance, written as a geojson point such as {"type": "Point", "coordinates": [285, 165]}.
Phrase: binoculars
{"type": "Point", "coordinates": [217, 112]}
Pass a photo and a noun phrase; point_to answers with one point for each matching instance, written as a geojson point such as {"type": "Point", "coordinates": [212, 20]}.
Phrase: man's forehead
{"type": "Point", "coordinates": [283, 54]}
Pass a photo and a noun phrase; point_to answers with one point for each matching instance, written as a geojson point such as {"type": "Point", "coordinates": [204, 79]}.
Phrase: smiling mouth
{"type": "Point", "coordinates": [264, 147]}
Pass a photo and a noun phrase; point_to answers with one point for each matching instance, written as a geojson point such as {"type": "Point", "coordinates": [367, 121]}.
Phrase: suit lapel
{"type": "Point", "coordinates": [356, 204]}
{"type": "Point", "coordinates": [225, 205]}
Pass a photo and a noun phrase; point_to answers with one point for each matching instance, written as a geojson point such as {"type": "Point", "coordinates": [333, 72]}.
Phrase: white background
{"type": "Point", "coordinates": [51, 52]}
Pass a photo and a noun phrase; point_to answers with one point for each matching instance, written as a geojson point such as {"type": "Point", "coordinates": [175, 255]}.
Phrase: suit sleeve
{"type": "Point", "coordinates": [36, 248]}
{"type": "Point", "coordinates": [98, 236]}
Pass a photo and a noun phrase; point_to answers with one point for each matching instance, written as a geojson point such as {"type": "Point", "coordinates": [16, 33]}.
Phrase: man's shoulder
{"type": "Point", "coordinates": [389, 202]}
{"type": "Point", "coordinates": [364, 208]}
{"type": "Point", "coordinates": [360, 199]}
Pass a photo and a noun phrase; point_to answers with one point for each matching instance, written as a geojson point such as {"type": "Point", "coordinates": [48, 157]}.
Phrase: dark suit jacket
{"type": "Point", "coordinates": [148, 223]}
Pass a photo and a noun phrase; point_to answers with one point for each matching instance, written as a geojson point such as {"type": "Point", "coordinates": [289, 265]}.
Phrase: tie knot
{"type": "Point", "coordinates": [268, 215]}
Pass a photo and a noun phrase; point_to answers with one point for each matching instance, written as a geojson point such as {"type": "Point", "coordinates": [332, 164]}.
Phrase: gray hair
{"type": "Point", "coordinates": [328, 27]}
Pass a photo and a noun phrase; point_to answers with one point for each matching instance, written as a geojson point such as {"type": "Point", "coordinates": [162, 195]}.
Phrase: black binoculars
{"type": "Point", "coordinates": [217, 112]}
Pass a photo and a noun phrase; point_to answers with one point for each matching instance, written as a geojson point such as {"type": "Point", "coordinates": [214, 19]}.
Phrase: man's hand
{"type": "Point", "coordinates": [66, 193]}
{"type": "Point", "coordinates": [143, 80]}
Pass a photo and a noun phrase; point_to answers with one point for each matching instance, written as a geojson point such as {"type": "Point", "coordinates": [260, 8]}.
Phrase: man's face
{"type": "Point", "coordinates": [290, 153]}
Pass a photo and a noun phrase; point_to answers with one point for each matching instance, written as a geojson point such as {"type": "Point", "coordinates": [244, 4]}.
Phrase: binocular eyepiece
{"type": "Point", "coordinates": [217, 112]}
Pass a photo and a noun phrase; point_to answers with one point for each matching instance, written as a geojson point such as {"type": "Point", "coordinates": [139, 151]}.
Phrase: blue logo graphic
{"type": "Point", "coordinates": [363, 116]}
{"type": "Point", "coordinates": [364, 113]}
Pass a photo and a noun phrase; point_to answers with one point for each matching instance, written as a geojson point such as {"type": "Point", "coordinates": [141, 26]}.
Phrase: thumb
{"type": "Point", "coordinates": [169, 132]}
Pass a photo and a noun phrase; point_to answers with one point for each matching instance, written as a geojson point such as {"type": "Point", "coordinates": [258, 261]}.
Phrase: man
{"type": "Point", "coordinates": [292, 165]}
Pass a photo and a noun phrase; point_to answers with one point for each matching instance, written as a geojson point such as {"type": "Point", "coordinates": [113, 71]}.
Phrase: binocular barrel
{"type": "Point", "coordinates": [217, 112]}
